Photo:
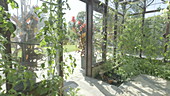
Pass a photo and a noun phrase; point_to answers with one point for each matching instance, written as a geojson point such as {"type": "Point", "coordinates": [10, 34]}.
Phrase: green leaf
{"type": "Point", "coordinates": [43, 65]}
{"type": "Point", "coordinates": [43, 43]}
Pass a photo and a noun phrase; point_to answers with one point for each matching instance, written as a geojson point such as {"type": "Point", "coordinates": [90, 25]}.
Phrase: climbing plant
{"type": "Point", "coordinates": [52, 36]}
{"type": "Point", "coordinates": [19, 79]}
{"type": "Point", "coordinates": [6, 30]}
{"type": "Point", "coordinates": [155, 39]}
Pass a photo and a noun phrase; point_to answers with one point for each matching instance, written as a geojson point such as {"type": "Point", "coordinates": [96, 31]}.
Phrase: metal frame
{"type": "Point", "coordinates": [92, 5]}
{"type": "Point", "coordinates": [89, 33]}
{"type": "Point", "coordinates": [104, 44]}
{"type": "Point", "coordinates": [96, 5]}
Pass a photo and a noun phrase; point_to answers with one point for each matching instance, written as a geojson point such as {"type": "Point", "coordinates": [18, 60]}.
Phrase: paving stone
{"type": "Point", "coordinates": [145, 85]}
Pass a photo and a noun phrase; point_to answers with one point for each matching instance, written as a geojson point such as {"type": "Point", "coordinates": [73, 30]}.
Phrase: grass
{"type": "Point", "coordinates": [70, 48]}
{"type": "Point", "coordinates": [67, 48]}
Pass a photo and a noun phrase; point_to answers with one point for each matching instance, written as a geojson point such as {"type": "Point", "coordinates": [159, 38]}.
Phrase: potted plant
{"type": "Point", "coordinates": [79, 27]}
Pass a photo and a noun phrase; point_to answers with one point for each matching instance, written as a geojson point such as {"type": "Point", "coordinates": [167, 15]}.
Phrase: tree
{"type": "Point", "coordinates": [79, 27]}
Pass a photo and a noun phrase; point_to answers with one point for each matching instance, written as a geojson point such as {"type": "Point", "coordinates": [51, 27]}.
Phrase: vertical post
{"type": "Point", "coordinates": [166, 37]}
{"type": "Point", "coordinates": [22, 8]}
{"type": "Point", "coordinates": [61, 42]}
{"type": "Point", "coordinates": [123, 22]}
{"type": "Point", "coordinates": [60, 27]}
{"type": "Point", "coordinates": [124, 12]}
{"type": "Point", "coordinates": [7, 51]}
{"type": "Point", "coordinates": [115, 31]}
{"type": "Point", "coordinates": [24, 49]}
{"type": "Point", "coordinates": [89, 33]}
{"type": "Point", "coordinates": [143, 27]}
{"type": "Point", "coordinates": [104, 45]}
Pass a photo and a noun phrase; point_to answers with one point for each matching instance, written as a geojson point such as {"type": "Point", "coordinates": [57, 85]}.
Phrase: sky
{"type": "Point", "coordinates": [76, 6]}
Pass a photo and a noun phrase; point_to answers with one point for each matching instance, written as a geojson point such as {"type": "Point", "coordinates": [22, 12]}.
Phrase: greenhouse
{"type": "Point", "coordinates": [84, 48]}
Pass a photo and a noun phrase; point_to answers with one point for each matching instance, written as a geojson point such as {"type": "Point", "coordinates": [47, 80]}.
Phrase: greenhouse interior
{"type": "Point", "coordinates": [85, 48]}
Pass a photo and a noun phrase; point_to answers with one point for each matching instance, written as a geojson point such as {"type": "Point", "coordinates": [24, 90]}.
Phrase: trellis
{"type": "Point", "coordinates": [100, 7]}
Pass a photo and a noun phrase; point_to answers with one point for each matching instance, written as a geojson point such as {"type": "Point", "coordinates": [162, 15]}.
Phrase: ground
{"type": "Point", "coordinates": [142, 85]}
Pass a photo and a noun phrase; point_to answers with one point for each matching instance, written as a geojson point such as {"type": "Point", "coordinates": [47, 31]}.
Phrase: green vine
{"type": "Point", "coordinates": [52, 37]}
{"type": "Point", "coordinates": [21, 79]}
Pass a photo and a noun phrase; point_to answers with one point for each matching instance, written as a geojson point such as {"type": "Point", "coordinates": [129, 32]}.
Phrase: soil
{"type": "Point", "coordinates": [111, 78]}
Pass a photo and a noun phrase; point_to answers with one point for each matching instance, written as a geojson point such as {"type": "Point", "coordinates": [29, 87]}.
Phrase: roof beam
{"type": "Point", "coordinates": [146, 12]}
{"type": "Point", "coordinates": [99, 6]}
{"type": "Point", "coordinates": [128, 1]}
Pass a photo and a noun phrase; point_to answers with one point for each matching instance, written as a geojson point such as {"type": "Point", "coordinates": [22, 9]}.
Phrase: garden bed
{"type": "Point", "coordinates": [108, 75]}
{"type": "Point", "coordinates": [133, 66]}
{"type": "Point", "coordinates": [111, 78]}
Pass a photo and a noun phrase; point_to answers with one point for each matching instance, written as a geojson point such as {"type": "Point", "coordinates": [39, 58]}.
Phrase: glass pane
{"type": "Point", "coordinates": [154, 30]}
{"type": "Point", "coordinates": [27, 26]}
{"type": "Point", "coordinates": [25, 45]}
{"type": "Point", "coordinates": [157, 4]}
{"type": "Point", "coordinates": [76, 21]}
{"type": "Point", "coordinates": [110, 34]}
{"type": "Point", "coordinates": [97, 37]}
